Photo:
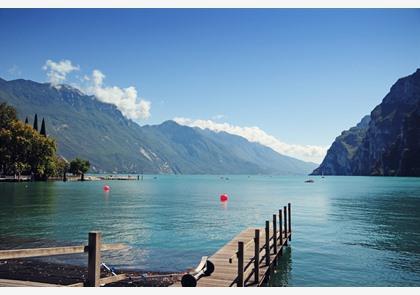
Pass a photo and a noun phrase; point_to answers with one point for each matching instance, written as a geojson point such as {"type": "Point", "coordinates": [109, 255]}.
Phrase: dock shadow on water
{"type": "Point", "coordinates": [282, 272]}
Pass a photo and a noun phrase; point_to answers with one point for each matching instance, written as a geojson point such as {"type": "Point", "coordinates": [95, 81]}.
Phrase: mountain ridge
{"type": "Point", "coordinates": [86, 127]}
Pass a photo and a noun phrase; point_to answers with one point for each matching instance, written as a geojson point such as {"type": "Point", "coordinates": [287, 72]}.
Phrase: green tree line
{"type": "Point", "coordinates": [23, 150]}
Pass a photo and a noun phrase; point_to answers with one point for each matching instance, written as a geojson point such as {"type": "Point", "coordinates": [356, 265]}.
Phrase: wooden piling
{"type": "Point", "coordinates": [275, 233]}
{"type": "Point", "coordinates": [290, 220]}
{"type": "Point", "coordinates": [257, 256]}
{"type": "Point", "coordinates": [281, 230]}
{"type": "Point", "coordinates": [267, 242]}
{"type": "Point", "coordinates": [255, 263]}
{"type": "Point", "coordinates": [240, 278]}
{"type": "Point", "coordinates": [94, 259]}
{"type": "Point", "coordinates": [285, 223]}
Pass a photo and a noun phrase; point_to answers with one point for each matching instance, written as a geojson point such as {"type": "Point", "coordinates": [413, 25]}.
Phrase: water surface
{"type": "Point", "coordinates": [347, 231]}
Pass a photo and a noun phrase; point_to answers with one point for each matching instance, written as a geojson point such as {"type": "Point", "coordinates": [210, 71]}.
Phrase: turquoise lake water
{"type": "Point", "coordinates": [347, 231]}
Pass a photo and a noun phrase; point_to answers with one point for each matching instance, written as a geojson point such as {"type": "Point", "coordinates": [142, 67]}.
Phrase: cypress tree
{"type": "Point", "coordinates": [43, 132]}
{"type": "Point", "coordinates": [26, 120]}
{"type": "Point", "coordinates": [36, 122]}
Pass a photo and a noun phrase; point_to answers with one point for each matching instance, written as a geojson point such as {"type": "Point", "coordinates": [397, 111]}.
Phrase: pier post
{"type": "Point", "coordinates": [257, 256]}
{"type": "Point", "coordinates": [94, 259]}
{"type": "Point", "coordinates": [267, 243]}
{"type": "Point", "coordinates": [290, 220]}
{"type": "Point", "coordinates": [240, 278]}
{"type": "Point", "coordinates": [275, 233]}
{"type": "Point", "coordinates": [281, 230]}
{"type": "Point", "coordinates": [285, 223]}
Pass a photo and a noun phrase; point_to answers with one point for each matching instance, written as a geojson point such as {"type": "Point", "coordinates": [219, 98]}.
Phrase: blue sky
{"type": "Point", "coordinates": [301, 76]}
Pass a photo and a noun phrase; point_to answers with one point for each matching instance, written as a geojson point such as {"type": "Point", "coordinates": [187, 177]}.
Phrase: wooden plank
{"type": "Point", "coordinates": [113, 279]}
{"type": "Point", "coordinates": [94, 259]}
{"type": "Point", "coordinates": [285, 222]}
{"type": "Point", "coordinates": [37, 252]}
{"type": "Point", "coordinates": [81, 284]}
{"type": "Point", "coordinates": [18, 283]}
{"type": "Point", "coordinates": [281, 229]}
{"type": "Point", "coordinates": [23, 253]}
{"type": "Point", "coordinates": [240, 279]}
{"type": "Point", "coordinates": [290, 219]}
{"type": "Point", "coordinates": [221, 282]}
{"type": "Point", "coordinates": [275, 233]}
{"type": "Point", "coordinates": [257, 254]}
{"type": "Point", "coordinates": [267, 242]}
{"type": "Point", "coordinates": [225, 273]}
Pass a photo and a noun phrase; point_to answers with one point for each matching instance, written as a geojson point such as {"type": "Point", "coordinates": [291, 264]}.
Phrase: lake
{"type": "Point", "coordinates": [347, 231]}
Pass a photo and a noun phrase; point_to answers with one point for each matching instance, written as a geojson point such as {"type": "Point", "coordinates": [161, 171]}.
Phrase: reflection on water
{"type": "Point", "coordinates": [283, 270]}
{"type": "Point", "coordinates": [347, 231]}
{"type": "Point", "coordinates": [22, 204]}
{"type": "Point", "coordinates": [224, 205]}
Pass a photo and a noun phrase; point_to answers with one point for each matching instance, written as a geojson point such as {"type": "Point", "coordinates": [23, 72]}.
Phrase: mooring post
{"type": "Point", "coordinates": [290, 220]}
{"type": "Point", "coordinates": [275, 233]}
{"type": "Point", "coordinates": [240, 279]}
{"type": "Point", "coordinates": [94, 259]}
{"type": "Point", "coordinates": [257, 256]}
{"type": "Point", "coordinates": [281, 230]}
{"type": "Point", "coordinates": [285, 223]}
{"type": "Point", "coordinates": [267, 242]}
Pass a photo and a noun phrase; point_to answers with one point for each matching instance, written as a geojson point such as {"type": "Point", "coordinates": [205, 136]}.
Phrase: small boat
{"type": "Point", "coordinates": [309, 180]}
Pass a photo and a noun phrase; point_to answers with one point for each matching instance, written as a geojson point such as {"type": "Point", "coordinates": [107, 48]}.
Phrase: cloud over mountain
{"type": "Point", "coordinates": [57, 71]}
{"type": "Point", "coordinates": [310, 153]}
{"type": "Point", "coordinates": [125, 99]}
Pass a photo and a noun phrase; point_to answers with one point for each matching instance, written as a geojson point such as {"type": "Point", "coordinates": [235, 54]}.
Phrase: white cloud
{"type": "Point", "coordinates": [57, 71]}
{"type": "Point", "coordinates": [125, 99]}
{"type": "Point", "coordinates": [310, 153]}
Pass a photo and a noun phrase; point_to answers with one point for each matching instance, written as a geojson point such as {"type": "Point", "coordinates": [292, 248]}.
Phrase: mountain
{"type": "Point", "coordinates": [87, 128]}
{"type": "Point", "coordinates": [387, 144]}
{"type": "Point", "coordinates": [338, 160]}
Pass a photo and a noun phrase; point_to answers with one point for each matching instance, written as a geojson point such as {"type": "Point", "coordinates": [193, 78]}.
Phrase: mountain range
{"type": "Point", "coordinates": [387, 142]}
{"type": "Point", "coordinates": [85, 127]}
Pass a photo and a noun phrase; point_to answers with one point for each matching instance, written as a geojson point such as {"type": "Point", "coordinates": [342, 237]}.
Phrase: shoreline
{"type": "Point", "coordinates": [25, 178]}
{"type": "Point", "coordinates": [30, 269]}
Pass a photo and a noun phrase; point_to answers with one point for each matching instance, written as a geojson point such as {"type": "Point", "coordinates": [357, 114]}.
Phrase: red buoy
{"type": "Point", "coordinates": [224, 198]}
{"type": "Point", "coordinates": [107, 188]}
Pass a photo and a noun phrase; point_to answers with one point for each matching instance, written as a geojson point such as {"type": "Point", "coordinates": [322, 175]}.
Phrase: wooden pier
{"type": "Point", "coordinates": [93, 249]}
{"type": "Point", "coordinates": [247, 260]}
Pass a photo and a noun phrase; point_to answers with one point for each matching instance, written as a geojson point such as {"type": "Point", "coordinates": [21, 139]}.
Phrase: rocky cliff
{"type": "Point", "coordinates": [338, 160]}
{"type": "Point", "coordinates": [389, 144]}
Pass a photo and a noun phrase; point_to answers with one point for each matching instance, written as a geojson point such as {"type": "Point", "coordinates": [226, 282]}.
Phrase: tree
{"type": "Point", "coordinates": [26, 120]}
{"type": "Point", "coordinates": [36, 122]}
{"type": "Point", "coordinates": [22, 149]}
{"type": "Point", "coordinates": [79, 167]}
{"type": "Point", "coordinates": [7, 115]}
{"type": "Point", "coordinates": [62, 167]}
{"type": "Point", "coordinates": [43, 132]}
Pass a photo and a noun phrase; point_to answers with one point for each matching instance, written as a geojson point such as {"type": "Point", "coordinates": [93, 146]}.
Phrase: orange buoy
{"type": "Point", "coordinates": [107, 188]}
{"type": "Point", "coordinates": [224, 198]}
